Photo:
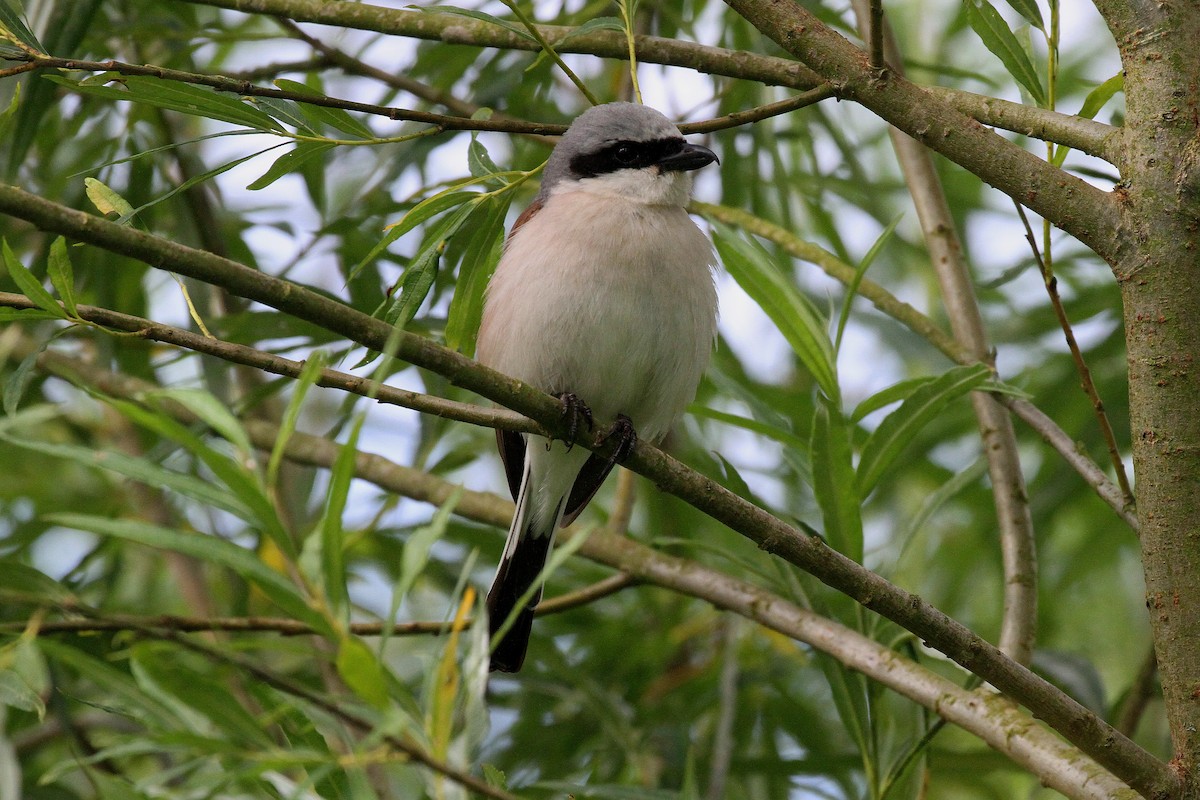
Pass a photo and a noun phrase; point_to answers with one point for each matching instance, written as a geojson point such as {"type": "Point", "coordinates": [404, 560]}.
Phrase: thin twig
{"type": "Point", "coordinates": [278, 365]}
{"type": "Point", "coordinates": [1085, 374]}
{"type": "Point", "coordinates": [95, 622]}
{"type": "Point", "coordinates": [874, 32]}
{"type": "Point", "coordinates": [497, 122]}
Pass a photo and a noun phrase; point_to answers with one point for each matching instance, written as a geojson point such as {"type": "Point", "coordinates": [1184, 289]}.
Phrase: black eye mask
{"type": "Point", "coordinates": [624, 155]}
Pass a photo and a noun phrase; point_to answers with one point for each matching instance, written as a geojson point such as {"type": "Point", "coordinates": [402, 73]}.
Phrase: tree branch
{"type": "Point", "coordinates": [979, 712]}
{"type": "Point", "coordinates": [1087, 213]}
{"type": "Point", "coordinates": [1086, 136]}
{"type": "Point", "coordinates": [1091, 734]}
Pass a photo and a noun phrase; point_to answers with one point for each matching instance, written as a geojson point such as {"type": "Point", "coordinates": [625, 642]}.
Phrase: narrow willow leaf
{"type": "Point", "coordinates": [30, 286]}
{"type": "Point", "coordinates": [892, 394]}
{"type": "Point", "coordinates": [859, 272]}
{"type": "Point", "coordinates": [362, 671]}
{"type": "Point", "coordinates": [290, 162]}
{"type": "Point", "coordinates": [336, 118]}
{"type": "Point", "coordinates": [834, 486]}
{"type": "Point", "coordinates": [795, 316]}
{"type": "Point", "coordinates": [14, 29]}
{"type": "Point", "coordinates": [1030, 11]}
{"type": "Point", "coordinates": [483, 246]}
{"type": "Point", "coordinates": [174, 680]}
{"type": "Point", "coordinates": [333, 544]}
{"type": "Point", "coordinates": [19, 580]}
{"type": "Point", "coordinates": [106, 200]}
{"type": "Point", "coordinates": [900, 427]}
{"type": "Point", "coordinates": [181, 97]}
{"type": "Point", "coordinates": [20, 378]}
{"type": "Point", "coordinates": [211, 411]}
{"type": "Point", "coordinates": [422, 268]}
{"type": "Point", "coordinates": [991, 28]}
{"type": "Point", "coordinates": [62, 276]}
{"type": "Point", "coordinates": [234, 473]}
{"type": "Point", "coordinates": [141, 470]}
{"type": "Point", "coordinates": [480, 162]}
{"type": "Point", "coordinates": [313, 365]}
{"type": "Point", "coordinates": [420, 542]}
{"type": "Point", "coordinates": [206, 548]}
{"type": "Point", "coordinates": [427, 209]}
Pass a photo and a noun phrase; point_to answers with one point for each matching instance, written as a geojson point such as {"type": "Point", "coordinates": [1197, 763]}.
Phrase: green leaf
{"type": "Point", "coordinates": [795, 316]}
{"type": "Point", "coordinates": [422, 268]}
{"type": "Point", "coordinates": [14, 29]}
{"type": "Point", "coordinates": [181, 97]}
{"type": "Point", "coordinates": [480, 162]}
{"type": "Point", "coordinates": [833, 481]}
{"type": "Point", "coordinates": [362, 672]}
{"type": "Point", "coordinates": [333, 544]}
{"type": "Point", "coordinates": [16, 383]}
{"type": "Point", "coordinates": [234, 473]}
{"type": "Point", "coordinates": [209, 410]}
{"type": "Point", "coordinates": [18, 580]}
{"type": "Point", "coordinates": [482, 252]}
{"type": "Point", "coordinates": [141, 470]}
{"type": "Point", "coordinates": [158, 667]}
{"type": "Point", "coordinates": [991, 28]}
{"type": "Point", "coordinates": [425, 210]}
{"type": "Point", "coordinates": [1030, 11]}
{"type": "Point", "coordinates": [289, 162]}
{"type": "Point", "coordinates": [892, 394]}
{"type": "Point", "coordinates": [336, 118]}
{"type": "Point", "coordinates": [859, 272]}
{"type": "Point", "coordinates": [62, 276]}
{"type": "Point", "coordinates": [900, 427]}
{"type": "Point", "coordinates": [420, 542]}
{"type": "Point", "coordinates": [309, 374]}
{"type": "Point", "coordinates": [106, 200]}
{"type": "Point", "coordinates": [206, 548]}
{"type": "Point", "coordinates": [30, 286]}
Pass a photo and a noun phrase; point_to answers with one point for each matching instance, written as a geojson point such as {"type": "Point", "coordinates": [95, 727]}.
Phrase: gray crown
{"type": "Point", "coordinates": [599, 127]}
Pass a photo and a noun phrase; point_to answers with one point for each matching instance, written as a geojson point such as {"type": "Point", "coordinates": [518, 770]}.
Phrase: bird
{"type": "Point", "coordinates": [605, 297]}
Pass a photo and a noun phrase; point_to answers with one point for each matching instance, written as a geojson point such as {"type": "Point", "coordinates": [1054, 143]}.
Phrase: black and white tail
{"type": "Point", "coordinates": [528, 545]}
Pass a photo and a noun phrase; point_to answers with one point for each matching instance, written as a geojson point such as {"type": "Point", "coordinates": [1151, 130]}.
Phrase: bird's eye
{"type": "Point", "coordinates": [625, 154]}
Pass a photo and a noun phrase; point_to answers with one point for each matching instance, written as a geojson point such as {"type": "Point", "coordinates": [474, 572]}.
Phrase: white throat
{"type": "Point", "coordinates": [646, 186]}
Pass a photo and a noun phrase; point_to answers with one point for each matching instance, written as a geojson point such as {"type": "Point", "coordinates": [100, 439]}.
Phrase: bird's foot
{"type": "Point", "coordinates": [622, 430]}
{"type": "Point", "coordinates": [574, 411]}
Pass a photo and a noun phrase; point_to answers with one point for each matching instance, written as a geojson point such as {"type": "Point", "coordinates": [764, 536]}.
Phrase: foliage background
{"type": "Point", "coordinates": [645, 692]}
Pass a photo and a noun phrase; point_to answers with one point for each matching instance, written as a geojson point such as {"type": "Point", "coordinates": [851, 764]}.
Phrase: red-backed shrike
{"type": "Point", "coordinates": [604, 297]}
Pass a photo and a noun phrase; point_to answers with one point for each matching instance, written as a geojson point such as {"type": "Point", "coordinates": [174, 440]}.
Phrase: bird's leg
{"type": "Point", "coordinates": [573, 410]}
{"type": "Point", "coordinates": [626, 437]}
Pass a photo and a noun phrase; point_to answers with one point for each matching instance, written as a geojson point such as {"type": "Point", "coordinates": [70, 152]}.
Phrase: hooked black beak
{"type": "Point", "coordinates": [689, 157]}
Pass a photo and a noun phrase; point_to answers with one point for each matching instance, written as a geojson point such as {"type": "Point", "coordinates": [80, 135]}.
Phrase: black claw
{"type": "Point", "coordinates": [573, 410]}
{"type": "Point", "coordinates": [626, 436]}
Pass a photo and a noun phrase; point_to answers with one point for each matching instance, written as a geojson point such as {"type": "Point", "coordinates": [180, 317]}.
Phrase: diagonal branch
{"type": "Point", "coordinates": [1087, 213]}
{"type": "Point", "coordinates": [1087, 731]}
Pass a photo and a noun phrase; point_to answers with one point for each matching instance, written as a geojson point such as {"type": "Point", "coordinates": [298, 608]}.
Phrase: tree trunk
{"type": "Point", "coordinates": [1160, 51]}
